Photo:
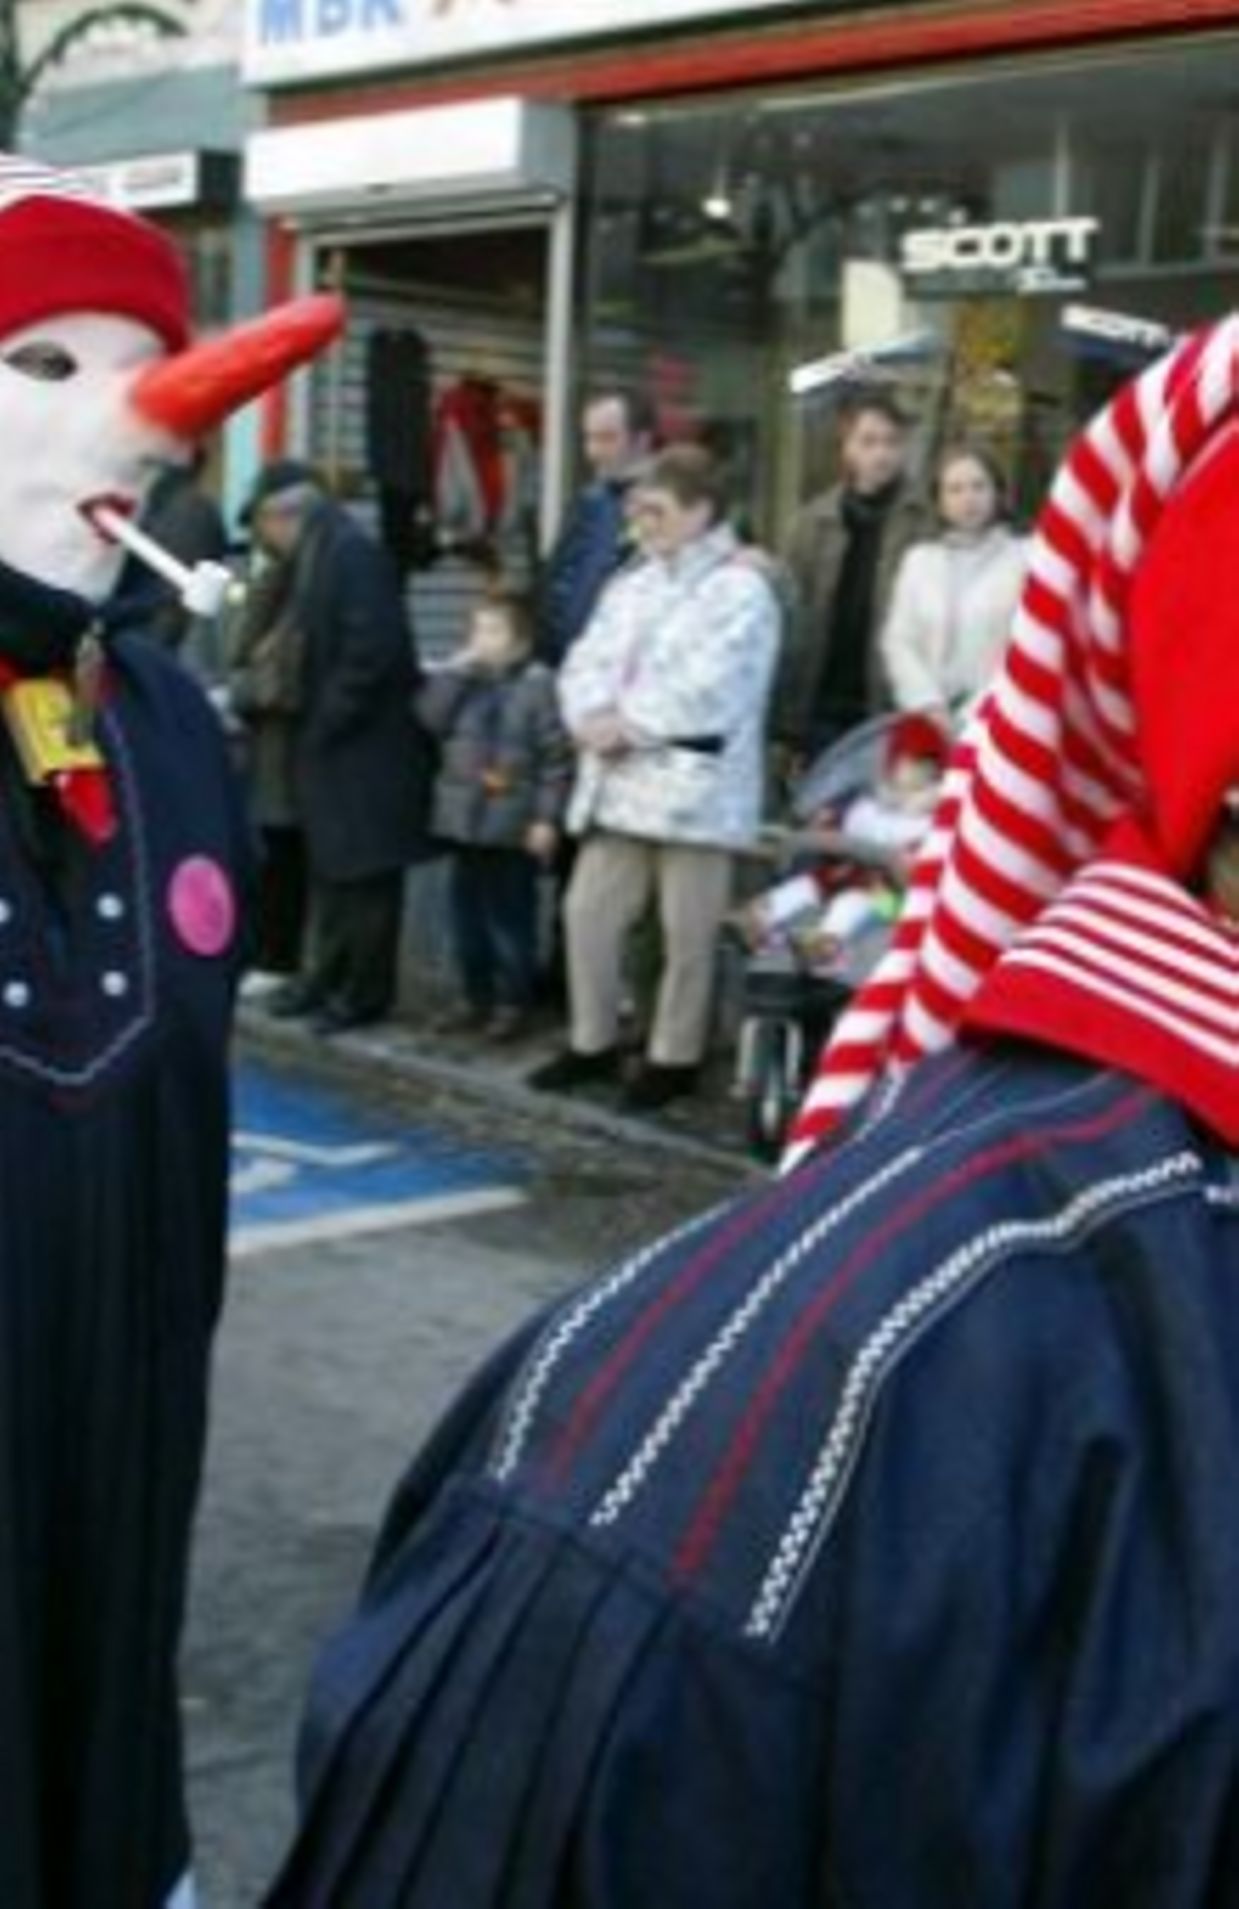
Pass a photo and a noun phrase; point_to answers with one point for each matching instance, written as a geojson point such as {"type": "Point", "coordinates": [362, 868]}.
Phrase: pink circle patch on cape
{"type": "Point", "coordinates": [202, 906]}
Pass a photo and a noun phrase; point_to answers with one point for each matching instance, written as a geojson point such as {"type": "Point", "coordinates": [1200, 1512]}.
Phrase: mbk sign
{"type": "Point", "coordinates": [298, 40]}
{"type": "Point", "coordinates": [1027, 256]}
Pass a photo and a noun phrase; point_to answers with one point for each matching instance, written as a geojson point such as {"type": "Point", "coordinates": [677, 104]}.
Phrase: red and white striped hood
{"type": "Point", "coordinates": [1052, 898]}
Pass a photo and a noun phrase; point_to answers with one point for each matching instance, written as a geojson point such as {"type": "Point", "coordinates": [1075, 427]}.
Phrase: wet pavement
{"type": "Point", "coordinates": [390, 1227]}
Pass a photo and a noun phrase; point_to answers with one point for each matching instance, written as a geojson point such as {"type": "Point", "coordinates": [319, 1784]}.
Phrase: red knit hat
{"type": "Point", "coordinates": [62, 250]}
{"type": "Point", "coordinates": [920, 737]}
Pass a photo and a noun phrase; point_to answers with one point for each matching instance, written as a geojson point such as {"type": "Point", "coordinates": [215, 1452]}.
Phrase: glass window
{"type": "Point", "coordinates": [750, 259]}
{"type": "Point", "coordinates": [1184, 171]}
{"type": "Point", "coordinates": [208, 251]}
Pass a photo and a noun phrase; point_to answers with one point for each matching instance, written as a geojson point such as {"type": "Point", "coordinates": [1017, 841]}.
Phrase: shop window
{"type": "Point", "coordinates": [750, 259]}
{"type": "Point", "coordinates": [209, 253]}
{"type": "Point", "coordinates": [1183, 175]}
{"type": "Point", "coordinates": [1115, 185]}
{"type": "Point", "coordinates": [1222, 234]}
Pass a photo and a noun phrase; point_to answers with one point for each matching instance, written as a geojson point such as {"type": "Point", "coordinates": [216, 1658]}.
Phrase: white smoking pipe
{"type": "Point", "coordinates": [202, 590]}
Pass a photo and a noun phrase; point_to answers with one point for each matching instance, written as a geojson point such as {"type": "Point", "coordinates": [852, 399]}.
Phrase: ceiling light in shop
{"type": "Point", "coordinates": [717, 203]}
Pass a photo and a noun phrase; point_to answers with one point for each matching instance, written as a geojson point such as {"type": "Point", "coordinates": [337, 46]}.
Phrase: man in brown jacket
{"type": "Point", "coordinates": [843, 552]}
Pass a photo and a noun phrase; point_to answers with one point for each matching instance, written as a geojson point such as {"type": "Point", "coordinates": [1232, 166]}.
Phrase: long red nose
{"type": "Point", "coordinates": [197, 389]}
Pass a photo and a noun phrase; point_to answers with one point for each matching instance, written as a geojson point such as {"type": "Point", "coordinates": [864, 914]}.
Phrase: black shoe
{"type": "Point", "coordinates": [656, 1086]}
{"type": "Point", "coordinates": [506, 1024]}
{"type": "Point", "coordinates": [293, 1000]}
{"type": "Point", "coordinates": [467, 1017]}
{"type": "Point", "coordinates": [570, 1069]}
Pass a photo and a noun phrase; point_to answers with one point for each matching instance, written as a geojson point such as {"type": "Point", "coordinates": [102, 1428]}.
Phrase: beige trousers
{"type": "Point", "coordinates": [614, 878]}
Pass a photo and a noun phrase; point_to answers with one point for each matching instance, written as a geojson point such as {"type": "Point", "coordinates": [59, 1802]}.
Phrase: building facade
{"type": "Point", "coordinates": [740, 208]}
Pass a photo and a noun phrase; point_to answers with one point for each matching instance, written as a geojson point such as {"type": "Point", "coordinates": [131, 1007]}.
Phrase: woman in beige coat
{"type": "Point", "coordinates": [956, 595]}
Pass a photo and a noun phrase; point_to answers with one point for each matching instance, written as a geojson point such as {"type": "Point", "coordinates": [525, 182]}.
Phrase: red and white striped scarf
{"type": "Point", "coordinates": [1044, 903]}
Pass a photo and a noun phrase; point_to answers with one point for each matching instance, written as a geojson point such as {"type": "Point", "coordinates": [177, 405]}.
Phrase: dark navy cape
{"type": "Point", "coordinates": [113, 1169]}
{"type": "Point", "coordinates": [871, 1543]}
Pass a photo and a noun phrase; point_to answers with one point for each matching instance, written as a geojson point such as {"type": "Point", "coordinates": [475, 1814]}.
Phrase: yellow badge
{"type": "Point", "coordinates": [40, 714]}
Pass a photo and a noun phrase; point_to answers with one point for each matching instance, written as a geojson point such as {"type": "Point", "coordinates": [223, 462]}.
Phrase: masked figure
{"type": "Point", "coordinates": [874, 1541]}
{"type": "Point", "coordinates": [121, 871]}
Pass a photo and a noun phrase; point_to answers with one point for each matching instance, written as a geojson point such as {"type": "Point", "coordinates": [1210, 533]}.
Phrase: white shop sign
{"type": "Point", "coordinates": [1094, 324]}
{"type": "Point", "coordinates": [293, 40]}
{"type": "Point", "coordinates": [495, 148]}
{"type": "Point", "coordinates": [1026, 256]}
{"type": "Point", "coordinates": [154, 183]}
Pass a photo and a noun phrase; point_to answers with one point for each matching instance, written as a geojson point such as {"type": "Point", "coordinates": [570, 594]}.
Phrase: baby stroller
{"type": "Point", "coordinates": [816, 936]}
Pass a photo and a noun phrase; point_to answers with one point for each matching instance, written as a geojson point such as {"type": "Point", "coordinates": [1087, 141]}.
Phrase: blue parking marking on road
{"type": "Point", "coordinates": [307, 1166]}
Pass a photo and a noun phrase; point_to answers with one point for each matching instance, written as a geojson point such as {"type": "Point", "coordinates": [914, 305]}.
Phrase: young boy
{"type": "Point", "coordinates": [501, 792]}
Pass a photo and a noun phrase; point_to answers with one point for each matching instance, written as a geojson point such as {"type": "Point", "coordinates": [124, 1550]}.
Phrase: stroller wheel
{"type": "Point", "coordinates": [776, 1060]}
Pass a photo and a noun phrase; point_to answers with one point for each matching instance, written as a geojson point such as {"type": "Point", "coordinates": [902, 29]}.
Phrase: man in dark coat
{"type": "Point", "coordinates": [842, 553]}
{"type": "Point", "coordinates": [617, 434]}
{"type": "Point", "coordinates": [618, 429]}
{"type": "Point", "coordinates": [361, 766]}
{"type": "Point", "coordinates": [264, 672]}
{"type": "Point", "coordinates": [874, 1541]}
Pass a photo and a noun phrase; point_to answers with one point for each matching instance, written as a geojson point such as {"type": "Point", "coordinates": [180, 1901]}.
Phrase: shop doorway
{"type": "Point", "coordinates": [432, 419]}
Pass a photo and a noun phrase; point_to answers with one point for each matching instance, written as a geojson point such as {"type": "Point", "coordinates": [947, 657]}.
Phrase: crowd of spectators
{"type": "Point", "coordinates": [597, 759]}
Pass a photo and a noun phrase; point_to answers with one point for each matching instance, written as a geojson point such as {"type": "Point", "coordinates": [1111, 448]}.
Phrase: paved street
{"type": "Point", "coordinates": [381, 1246]}
{"type": "Point", "coordinates": [310, 1166]}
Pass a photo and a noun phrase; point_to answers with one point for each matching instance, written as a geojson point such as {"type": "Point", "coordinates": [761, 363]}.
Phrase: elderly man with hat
{"type": "Point", "coordinates": [361, 770]}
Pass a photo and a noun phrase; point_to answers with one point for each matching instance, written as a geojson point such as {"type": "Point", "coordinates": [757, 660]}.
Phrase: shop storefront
{"type": "Point", "coordinates": [742, 209]}
{"type": "Point", "coordinates": [1001, 244]}
{"type": "Point", "coordinates": [451, 232]}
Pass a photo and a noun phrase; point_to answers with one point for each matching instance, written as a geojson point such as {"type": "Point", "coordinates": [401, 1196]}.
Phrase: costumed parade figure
{"type": "Point", "coordinates": [121, 866]}
{"type": "Point", "coordinates": [874, 1541]}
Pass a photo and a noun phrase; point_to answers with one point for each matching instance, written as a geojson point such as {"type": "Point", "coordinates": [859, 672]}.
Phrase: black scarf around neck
{"type": "Point", "coordinates": [845, 690]}
{"type": "Point", "coordinates": [868, 510]}
{"type": "Point", "coordinates": [40, 626]}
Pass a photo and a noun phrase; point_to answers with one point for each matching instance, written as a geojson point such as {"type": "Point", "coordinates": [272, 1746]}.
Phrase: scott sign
{"type": "Point", "coordinates": [1027, 256]}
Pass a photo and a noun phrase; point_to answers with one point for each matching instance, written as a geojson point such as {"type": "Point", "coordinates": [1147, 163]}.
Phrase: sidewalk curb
{"type": "Point", "coordinates": [395, 1054]}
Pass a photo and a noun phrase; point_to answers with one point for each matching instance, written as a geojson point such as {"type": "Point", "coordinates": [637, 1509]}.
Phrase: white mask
{"type": "Point", "coordinates": [67, 437]}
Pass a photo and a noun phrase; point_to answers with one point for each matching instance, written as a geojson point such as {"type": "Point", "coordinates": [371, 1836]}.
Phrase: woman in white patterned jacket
{"type": "Point", "coordinates": [666, 696]}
